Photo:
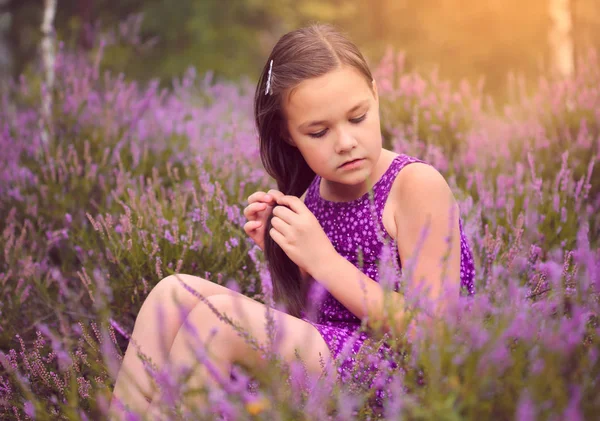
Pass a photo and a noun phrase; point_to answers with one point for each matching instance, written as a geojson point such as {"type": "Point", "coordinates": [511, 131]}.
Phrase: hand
{"type": "Point", "coordinates": [258, 210]}
{"type": "Point", "coordinates": [298, 232]}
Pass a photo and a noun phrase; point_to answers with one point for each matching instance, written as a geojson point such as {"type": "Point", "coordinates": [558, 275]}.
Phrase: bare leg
{"type": "Point", "coordinates": [133, 386]}
{"type": "Point", "coordinates": [227, 347]}
{"type": "Point", "coordinates": [187, 352]}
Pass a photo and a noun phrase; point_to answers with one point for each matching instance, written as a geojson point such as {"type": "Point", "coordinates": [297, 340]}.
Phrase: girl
{"type": "Point", "coordinates": [317, 114]}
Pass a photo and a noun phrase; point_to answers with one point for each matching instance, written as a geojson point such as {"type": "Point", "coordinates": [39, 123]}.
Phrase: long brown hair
{"type": "Point", "coordinates": [302, 54]}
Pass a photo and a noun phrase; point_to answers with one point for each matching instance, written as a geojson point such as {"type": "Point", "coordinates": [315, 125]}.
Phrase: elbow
{"type": "Point", "coordinates": [390, 318]}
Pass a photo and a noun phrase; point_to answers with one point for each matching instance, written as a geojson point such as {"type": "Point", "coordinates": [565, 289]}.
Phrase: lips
{"type": "Point", "coordinates": [348, 162]}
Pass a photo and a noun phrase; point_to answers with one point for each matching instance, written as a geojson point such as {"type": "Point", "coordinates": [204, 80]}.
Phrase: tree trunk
{"type": "Point", "coordinates": [48, 59]}
{"type": "Point", "coordinates": [560, 37]}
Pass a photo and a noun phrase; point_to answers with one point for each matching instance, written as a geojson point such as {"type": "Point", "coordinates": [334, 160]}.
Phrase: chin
{"type": "Point", "coordinates": [358, 178]}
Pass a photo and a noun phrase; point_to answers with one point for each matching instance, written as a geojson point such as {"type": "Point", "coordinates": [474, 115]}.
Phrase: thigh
{"type": "Point", "coordinates": [172, 288]}
{"type": "Point", "coordinates": [291, 334]}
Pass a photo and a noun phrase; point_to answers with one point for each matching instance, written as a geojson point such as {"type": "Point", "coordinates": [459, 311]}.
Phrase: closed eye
{"type": "Point", "coordinates": [353, 121]}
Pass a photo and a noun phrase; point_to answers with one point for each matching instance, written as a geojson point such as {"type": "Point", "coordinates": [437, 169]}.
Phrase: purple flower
{"type": "Point", "coordinates": [29, 409]}
{"type": "Point", "coordinates": [169, 237]}
{"type": "Point", "coordinates": [573, 410]}
{"type": "Point", "coordinates": [526, 410]}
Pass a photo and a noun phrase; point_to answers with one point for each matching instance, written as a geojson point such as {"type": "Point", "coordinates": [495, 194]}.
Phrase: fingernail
{"type": "Point", "coordinates": [268, 197]}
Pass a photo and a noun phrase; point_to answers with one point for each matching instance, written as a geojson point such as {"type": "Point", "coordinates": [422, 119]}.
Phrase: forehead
{"type": "Point", "coordinates": [324, 96]}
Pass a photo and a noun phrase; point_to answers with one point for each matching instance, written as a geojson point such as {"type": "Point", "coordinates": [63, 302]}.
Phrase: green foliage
{"type": "Point", "coordinates": [464, 39]}
{"type": "Point", "coordinates": [128, 191]}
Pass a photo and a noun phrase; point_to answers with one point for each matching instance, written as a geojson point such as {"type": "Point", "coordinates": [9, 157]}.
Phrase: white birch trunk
{"type": "Point", "coordinates": [48, 59]}
{"type": "Point", "coordinates": [560, 37]}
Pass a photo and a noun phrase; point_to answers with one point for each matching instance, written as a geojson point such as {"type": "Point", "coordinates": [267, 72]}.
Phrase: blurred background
{"type": "Point", "coordinates": [111, 181]}
{"type": "Point", "coordinates": [162, 38]}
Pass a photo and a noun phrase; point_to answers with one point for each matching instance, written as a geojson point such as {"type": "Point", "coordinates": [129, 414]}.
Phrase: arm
{"type": "Point", "coordinates": [425, 201]}
{"type": "Point", "coordinates": [429, 204]}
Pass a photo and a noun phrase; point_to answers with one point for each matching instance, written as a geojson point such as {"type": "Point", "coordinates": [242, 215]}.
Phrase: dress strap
{"type": "Point", "coordinates": [382, 189]}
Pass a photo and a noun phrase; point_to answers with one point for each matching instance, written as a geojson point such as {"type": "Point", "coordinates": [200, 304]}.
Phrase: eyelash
{"type": "Point", "coordinates": [354, 120]}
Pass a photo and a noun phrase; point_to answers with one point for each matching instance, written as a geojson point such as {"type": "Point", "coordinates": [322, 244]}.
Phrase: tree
{"type": "Point", "coordinates": [48, 58]}
{"type": "Point", "coordinates": [560, 37]}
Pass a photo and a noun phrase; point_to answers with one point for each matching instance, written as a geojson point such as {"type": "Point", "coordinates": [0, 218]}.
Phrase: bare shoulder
{"type": "Point", "coordinates": [420, 186]}
{"type": "Point", "coordinates": [419, 175]}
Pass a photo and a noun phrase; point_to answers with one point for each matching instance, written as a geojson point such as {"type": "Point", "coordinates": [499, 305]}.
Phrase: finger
{"type": "Point", "coordinates": [292, 202]}
{"type": "Point", "coordinates": [286, 214]}
{"type": "Point", "coordinates": [263, 197]}
{"type": "Point", "coordinates": [251, 210]}
{"type": "Point", "coordinates": [252, 225]}
{"type": "Point", "coordinates": [255, 197]}
{"type": "Point", "coordinates": [281, 226]}
{"type": "Point", "coordinates": [277, 237]}
{"type": "Point", "coordinates": [275, 193]}
{"type": "Point", "coordinates": [271, 196]}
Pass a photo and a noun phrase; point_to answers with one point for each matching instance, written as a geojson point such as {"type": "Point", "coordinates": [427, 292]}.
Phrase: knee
{"type": "Point", "coordinates": [173, 287]}
{"type": "Point", "coordinates": [170, 283]}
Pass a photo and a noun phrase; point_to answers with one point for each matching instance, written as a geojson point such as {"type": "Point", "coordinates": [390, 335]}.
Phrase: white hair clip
{"type": "Point", "coordinates": [269, 80]}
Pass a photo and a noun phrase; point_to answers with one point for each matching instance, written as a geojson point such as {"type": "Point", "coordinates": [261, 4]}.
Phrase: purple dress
{"type": "Point", "coordinates": [351, 228]}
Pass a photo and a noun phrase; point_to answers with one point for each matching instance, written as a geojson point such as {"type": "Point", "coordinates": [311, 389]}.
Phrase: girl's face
{"type": "Point", "coordinates": [333, 119]}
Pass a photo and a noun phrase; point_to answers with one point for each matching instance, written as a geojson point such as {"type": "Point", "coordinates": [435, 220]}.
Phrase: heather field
{"type": "Point", "coordinates": [122, 185]}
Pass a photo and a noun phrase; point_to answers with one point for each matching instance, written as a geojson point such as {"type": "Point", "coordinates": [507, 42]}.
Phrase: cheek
{"type": "Point", "coordinates": [374, 123]}
{"type": "Point", "coordinates": [367, 131]}
{"type": "Point", "coordinates": [314, 154]}
{"type": "Point", "coordinates": [374, 129]}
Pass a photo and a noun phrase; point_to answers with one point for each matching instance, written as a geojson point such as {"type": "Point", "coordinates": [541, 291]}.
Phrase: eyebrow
{"type": "Point", "coordinates": [319, 122]}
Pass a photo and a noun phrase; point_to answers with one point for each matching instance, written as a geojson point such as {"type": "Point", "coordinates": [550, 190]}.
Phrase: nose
{"type": "Point", "coordinates": [345, 142]}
